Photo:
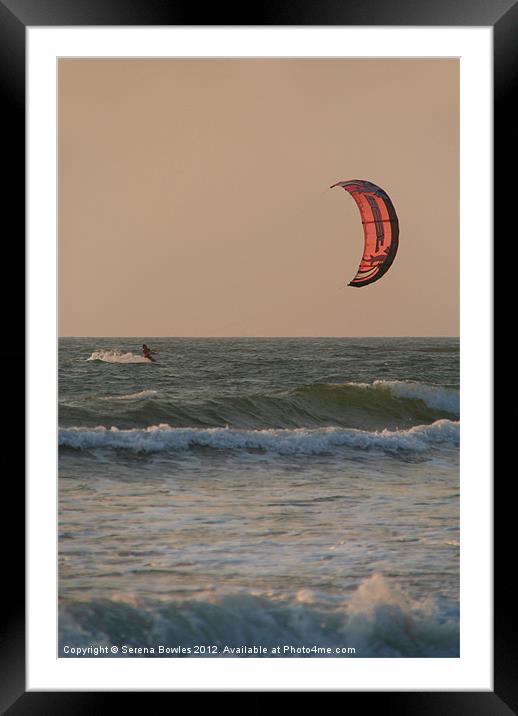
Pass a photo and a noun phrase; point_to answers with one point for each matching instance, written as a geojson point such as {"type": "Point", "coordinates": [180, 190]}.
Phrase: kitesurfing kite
{"type": "Point", "coordinates": [380, 228]}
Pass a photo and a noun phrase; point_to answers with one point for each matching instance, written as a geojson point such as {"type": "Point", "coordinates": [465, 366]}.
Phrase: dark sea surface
{"type": "Point", "coordinates": [260, 492]}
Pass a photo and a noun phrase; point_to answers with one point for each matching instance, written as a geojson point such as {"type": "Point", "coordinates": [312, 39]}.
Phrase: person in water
{"type": "Point", "coordinates": [146, 352]}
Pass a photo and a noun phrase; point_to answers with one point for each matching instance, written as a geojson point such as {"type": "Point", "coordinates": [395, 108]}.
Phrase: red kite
{"type": "Point", "coordinates": [380, 228]}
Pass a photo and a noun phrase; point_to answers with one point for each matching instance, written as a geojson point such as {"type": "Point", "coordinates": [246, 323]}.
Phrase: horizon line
{"type": "Point", "coordinates": [234, 336]}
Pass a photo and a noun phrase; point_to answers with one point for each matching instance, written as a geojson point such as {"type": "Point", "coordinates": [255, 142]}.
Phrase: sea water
{"type": "Point", "coordinates": [259, 497]}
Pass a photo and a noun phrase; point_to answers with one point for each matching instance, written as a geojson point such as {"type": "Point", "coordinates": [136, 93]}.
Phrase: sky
{"type": "Point", "coordinates": [194, 196]}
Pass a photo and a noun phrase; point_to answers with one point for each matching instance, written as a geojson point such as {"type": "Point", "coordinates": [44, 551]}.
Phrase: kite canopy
{"type": "Point", "coordinates": [380, 228]}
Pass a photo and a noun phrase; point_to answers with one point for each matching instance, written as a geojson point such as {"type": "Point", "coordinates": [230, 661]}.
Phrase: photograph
{"type": "Point", "coordinates": [258, 357]}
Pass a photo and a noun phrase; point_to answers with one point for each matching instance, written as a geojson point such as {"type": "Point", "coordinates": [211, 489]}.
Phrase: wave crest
{"type": "Point", "coordinates": [140, 395]}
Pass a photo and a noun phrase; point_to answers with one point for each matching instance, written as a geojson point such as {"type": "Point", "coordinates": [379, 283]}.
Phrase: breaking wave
{"type": "Point", "coordinates": [433, 396]}
{"type": "Point", "coordinates": [303, 441]}
{"type": "Point", "coordinates": [369, 406]}
{"type": "Point", "coordinates": [378, 621]}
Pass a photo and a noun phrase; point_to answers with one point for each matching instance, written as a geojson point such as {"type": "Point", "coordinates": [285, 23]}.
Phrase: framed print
{"type": "Point", "coordinates": [246, 467]}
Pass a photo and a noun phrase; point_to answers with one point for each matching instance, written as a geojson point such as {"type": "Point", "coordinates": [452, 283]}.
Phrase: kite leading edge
{"type": "Point", "coordinates": [380, 228]}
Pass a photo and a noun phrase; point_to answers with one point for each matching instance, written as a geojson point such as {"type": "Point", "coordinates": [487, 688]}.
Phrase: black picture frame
{"type": "Point", "coordinates": [15, 17]}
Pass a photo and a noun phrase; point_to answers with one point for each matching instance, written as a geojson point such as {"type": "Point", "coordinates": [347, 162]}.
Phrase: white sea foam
{"type": "Point", "coordinates": [163, 437]}
{"type": "Point", "coordinates": [117, 357]}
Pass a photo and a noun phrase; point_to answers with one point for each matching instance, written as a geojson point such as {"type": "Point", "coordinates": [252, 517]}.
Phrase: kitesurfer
{"type": "Point", "coordinates": [146, 352]}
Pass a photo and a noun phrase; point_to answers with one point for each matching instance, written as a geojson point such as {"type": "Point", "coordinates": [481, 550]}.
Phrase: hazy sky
{"type": "Point", "coordinates": [194, 196]}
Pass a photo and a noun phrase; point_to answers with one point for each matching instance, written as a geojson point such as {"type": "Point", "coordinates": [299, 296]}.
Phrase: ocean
{"type": "Point", "coordinates": [271, 497]}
